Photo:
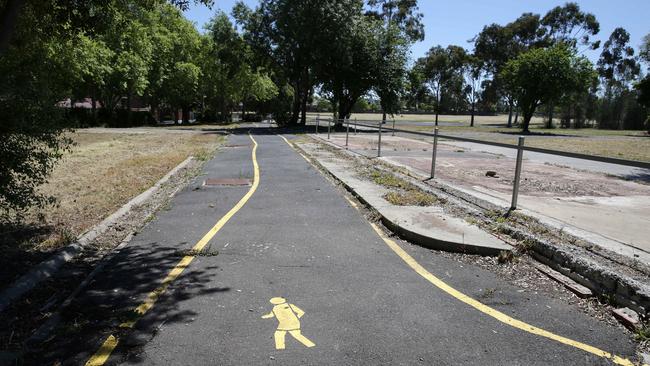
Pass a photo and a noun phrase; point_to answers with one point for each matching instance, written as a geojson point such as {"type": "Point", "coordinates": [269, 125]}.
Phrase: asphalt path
{"type": "Point", "coordinates": [342, 295]}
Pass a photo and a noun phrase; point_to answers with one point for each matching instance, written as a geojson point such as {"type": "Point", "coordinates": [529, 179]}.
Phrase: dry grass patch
{"type": "Point", "coordinates": [631, 145]}
{"type": "Point", "coordinates": [106, 170]}
{"type": "Point", "coordinates": [403, 193]}
{"type": "Point", "coordinates": [410, 198]}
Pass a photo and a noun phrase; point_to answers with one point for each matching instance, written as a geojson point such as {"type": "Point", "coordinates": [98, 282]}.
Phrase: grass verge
{"type": "Point", "coordinates": [402, 192]}
{"type": "Point", "coordinates": [103, 171]}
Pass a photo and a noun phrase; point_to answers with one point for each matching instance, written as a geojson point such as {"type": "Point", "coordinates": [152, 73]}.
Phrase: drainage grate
{"type": "Point", "coordinates": [227, 182]}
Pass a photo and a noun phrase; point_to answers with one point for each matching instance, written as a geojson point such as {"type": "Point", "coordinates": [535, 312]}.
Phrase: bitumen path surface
{"type": "Point", "coordinates": [298, 238]}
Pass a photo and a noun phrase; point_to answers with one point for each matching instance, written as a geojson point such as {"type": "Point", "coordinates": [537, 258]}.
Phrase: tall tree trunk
{"type": "Point", "coordinates": [437, 105]}
{"type": "Point", "coordinates": [509, 114]}
{"type": "Point", "coordinates": [383, 117]}
{"type": "Point", "coordinates": [471, 122]}
{"type": "Point", "coordinates": [528, 115]}
{"type": "Point", "coordinates": [8, 22]}
{"type": "Point", "coordinates": [516, 115]}
{"type": "Point", "coordinates": [93, 104]}
{"type": "Point", "coordinates": [185, 114]}
{"type": "Point", "coordinates": [128, 109]}
{"type": "Point", "coordinates": [295, 110]}
{"type": "Point", "coordinates": [303, 108]}
{"type": "Point", "coordinates": [243, 110]}
{"type": "Point", "coordinates": [549, 123]}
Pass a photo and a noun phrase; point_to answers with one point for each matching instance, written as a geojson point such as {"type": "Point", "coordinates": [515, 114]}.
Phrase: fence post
{"type": "Point", "coordinates": [435, 152]}
{"type": "Point", "coordinates": [355, 125]}
{"type": "Point", "coordinates": [379, 141]}
{"type": "Point", "coordinates": [317, 122]}
{"type": "Point", "coordinates": [515, 189]}
{"type": "Point", "coordinates": [393, 126]}
{"type": "Point", "coordinates": [347, 132]}
{"type": "Point", "coordinates": [329, 128]}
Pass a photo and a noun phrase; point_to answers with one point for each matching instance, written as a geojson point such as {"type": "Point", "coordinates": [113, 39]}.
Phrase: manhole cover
{"type": "Point", "coordinates": [227, 182]}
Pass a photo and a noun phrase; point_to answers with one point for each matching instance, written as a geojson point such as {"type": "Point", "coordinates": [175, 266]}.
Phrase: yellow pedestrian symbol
{"type": "Point", "coordinates": [287, 315]}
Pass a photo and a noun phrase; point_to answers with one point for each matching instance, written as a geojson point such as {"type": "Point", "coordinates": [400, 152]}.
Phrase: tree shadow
{"type": "Point", "coordinates": [113, 296]}
{"type": "Point", "coordinates": [19, 247]}
{"type": "Point", "coordinates": [533, 133]}
{"type": "Point", "coordinates": [639, 176]}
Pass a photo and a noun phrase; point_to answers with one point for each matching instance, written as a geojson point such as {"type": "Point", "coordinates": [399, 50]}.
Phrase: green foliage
{"type": "Point", "coordinates": [33, 76]}
{"type": "Point", "coordinates": [543, 75]}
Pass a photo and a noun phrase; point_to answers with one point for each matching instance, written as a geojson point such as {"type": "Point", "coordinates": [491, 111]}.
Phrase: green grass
{"type": "Point", "coordinates": [403, 193]}
{"type": "Point", "coordinates": [410, 198]}
{"type": "Point", "coordinates": [390, 181]}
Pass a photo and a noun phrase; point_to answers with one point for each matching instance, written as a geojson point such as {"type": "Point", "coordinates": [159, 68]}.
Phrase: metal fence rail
{"type": "Point", "coordinates": [520, 147]}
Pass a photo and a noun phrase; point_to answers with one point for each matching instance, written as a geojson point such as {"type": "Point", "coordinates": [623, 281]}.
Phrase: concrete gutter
{"type": "Point", "coordinates": [604, 272]}
{"type": "Point", "coordinates": [429, 227]}
{"type": "Point", "coordinates": [51, 266]}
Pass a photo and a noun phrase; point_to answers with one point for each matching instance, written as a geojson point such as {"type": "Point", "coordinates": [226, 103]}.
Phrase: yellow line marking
{"type": "Point", "coordinates": [288, 316]}
{"type": "Point", "coordinates": [482, 307]}
{"type": "Point", "coordinates": [490, 311]}
{"type": "Point", "coordinates": [104, 352]}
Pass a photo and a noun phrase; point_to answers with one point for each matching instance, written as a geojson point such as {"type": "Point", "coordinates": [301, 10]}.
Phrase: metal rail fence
{"type": "Point", "coordinates": [520, 147]}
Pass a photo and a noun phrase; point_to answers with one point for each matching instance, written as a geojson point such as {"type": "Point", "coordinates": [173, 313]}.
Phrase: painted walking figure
{"type": "Point", "coordinates": [288, 316]}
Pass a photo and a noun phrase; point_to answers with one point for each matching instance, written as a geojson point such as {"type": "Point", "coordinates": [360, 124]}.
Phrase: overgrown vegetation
{"type": "Point", "coordinates": [410, 198]}
{"type": "Point", "coordinates": [403, 193]}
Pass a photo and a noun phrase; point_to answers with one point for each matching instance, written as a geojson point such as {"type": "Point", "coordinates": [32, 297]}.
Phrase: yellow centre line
{"type": "Point", "coordinates": [104, 352]}
{"type": "Point", "coordinates": [419, 269]}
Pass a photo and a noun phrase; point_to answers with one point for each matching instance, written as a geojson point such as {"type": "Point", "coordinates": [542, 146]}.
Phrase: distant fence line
{"type": "Point", "coordinates": [602, 159]}
{"type": "Point", "coordinates": [520, 147]}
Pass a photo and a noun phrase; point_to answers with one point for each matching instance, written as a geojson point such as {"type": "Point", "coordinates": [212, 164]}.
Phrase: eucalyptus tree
{"type": "Point", "coordinates": [391, 70]}
{"type": "Point", "coordinates": [349, 53]}
{"type": "Point", "coordinates": [543, 75]}
{"type": "Point", "coordinates": [643, 86]}
{"type": "Point", "coordinates": [284, 31]}
{"type": "Point", "coordinates": [441, 66]}
{"type": "Point", "coordinates": [402, 26]}
{"type": "Point", "coordinates": [474, 73]}
{"type": "Point", "coordinates": [573, 27]}
{"type": "Point", "coordinates": [618, 68]}
{"type": "Point", "coordinates": [416, 85]}
{"type": "Point", "coordinates": [570, 26]}
{"type": "Point", "coordinates": [495, 45]}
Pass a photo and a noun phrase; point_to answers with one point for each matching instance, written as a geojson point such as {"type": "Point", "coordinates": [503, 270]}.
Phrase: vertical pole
{"type": "Point", "coordinates": [379, 141]}
{"type": "Point", "coordinates": [393, 126]}
{"type": "Point", "coordinates": [515, 189]}
{"type": "Point", "coordinates": [347, 132]}
{"type": "Point", "coordinates": [435, 152]}
{"type": "Point", "coordinates": [317, 122]}
{"type": "Point", "coordinates": [329, 128]}
{"type": "Point", "coordinates": [355, 125]}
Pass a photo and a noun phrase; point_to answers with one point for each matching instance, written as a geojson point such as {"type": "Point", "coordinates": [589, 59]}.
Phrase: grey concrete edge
{"type": "Point", "coordinates": [602, 279]}
{"type": "Point", "coordinates": [426, 241]}
{"type": "Point", "coordinates": [49, 267]}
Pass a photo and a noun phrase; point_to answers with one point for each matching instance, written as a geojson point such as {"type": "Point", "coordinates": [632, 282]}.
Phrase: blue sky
{"type": "Point", "coordinates": [456, 22]}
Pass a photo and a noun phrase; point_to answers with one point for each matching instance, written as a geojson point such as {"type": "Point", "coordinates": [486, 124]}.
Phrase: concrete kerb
{"type": "Point", "coordinates": [577, 263]}
{"type": "Point", "coordinates": [49, 267]}
{"type": "Point", "coordinates": [486, 248]}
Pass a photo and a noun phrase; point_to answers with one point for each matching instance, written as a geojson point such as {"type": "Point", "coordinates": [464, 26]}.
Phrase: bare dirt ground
{"type": "Point", "coordinates": [607, 206]}
{"type": "Point", "coordinates": [466, 168]}
{"type": "Point", "coordinates": [104, 170]}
